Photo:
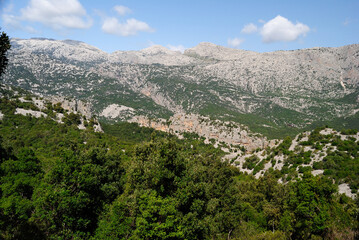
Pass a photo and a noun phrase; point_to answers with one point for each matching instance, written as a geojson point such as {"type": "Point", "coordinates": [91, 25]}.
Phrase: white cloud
{"type": "Point", "coordinates": [130, 27]}
{"type": "Point", "coordinates": [56, 14]}
{"type": "Point", "coordinates": [235, 42]}
{"type": "Point", "coordinates": [179, 48]}
{"type": "Point", "coordinates": [14, 22]}
{"type": "Point", "coordinates": [249, 28]}
{"type": "Point", "coordinates": [280, 29]}
{"type": "Point", "coordinates": [122, 10]}
{"type": "Point", "coordinates": [11, 21]}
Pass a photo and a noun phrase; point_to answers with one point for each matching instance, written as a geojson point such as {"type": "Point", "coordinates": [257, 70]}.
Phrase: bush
{"type": "Point", "coordinates": [304, 169]}
{"type": "Point", "coordinates": [71, 119]}
{"type": "Point", "coordinates": [349, 131]}
{"type": "Point", "coordinates": [250, 162]}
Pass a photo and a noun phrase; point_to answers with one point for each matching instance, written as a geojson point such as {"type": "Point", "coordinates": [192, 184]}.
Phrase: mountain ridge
{"type": "Point", "coordinates": [282, 91]}
{"type": "Point", "coordinates": [209, 44]}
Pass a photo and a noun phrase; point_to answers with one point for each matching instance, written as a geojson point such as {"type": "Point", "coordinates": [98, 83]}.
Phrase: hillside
{"type": "Point", "coordinates": [276, 93]}
{"type": "Point", "coordinates": [62, 181]}
{"type": "Point", "coordinates": [322, 151]}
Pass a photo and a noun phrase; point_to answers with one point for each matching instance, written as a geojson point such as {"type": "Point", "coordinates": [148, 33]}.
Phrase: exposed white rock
{"type": "Point", "coordinates": [152, 55]}
{"type": "Point", "coordinates": [227, 132]}
{"type": "Point", "coordinates": [308, 148]}
{"type": "Point", "coordinates": [33, 113]}
{"type": "Point", "coordinates": [208, 50]}
{"type": "Point", "coordinates": [157, 49]}
{"type": "Point", "coordinates": [115, 111]}
{"type": "Point", "coordinates": [328, 131]}
{"type": "Point", "coordinates": [39, 103]}
{"type": "Point", "coordinates": [97, 128]}
{"type": "Point", "coordinates": [344, 188]}
{"type": "Point", "coordinates": [81, 125]}
{"type": "Point", "coordinates": [279, 162]}
{"type": "Point", "coordinates": [70, 49]}
{"type": "Point", "coordinates": [59, 117]}
{"type": "Point", "coordinates": [317, 172]}
{"type": "Point", "coordinates": [1, 115]}
{"type": "Point", "coordinates": [72, 105]}
{"type": "Point", "coordinates": [294, 144]}
{"type": "Point", "coordinates": [21, 99]}
{"type": "Point", "coordinates": [267, 166]}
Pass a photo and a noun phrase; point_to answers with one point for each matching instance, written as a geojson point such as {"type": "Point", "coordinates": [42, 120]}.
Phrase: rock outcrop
{"type": "Point", "coordinates": [217, 131]}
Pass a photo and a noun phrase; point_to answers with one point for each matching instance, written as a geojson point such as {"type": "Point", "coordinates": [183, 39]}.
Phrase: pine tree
{"type": "Point", "coordinates": [4, 47]}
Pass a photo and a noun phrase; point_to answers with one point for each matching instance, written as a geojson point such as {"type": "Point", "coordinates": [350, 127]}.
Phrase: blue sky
{"type": "Point", "coordinates": [261, 26]}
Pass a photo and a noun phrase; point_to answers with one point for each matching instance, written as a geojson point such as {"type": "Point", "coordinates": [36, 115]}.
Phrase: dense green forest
{"type": "Point", "coordinates": [59, 182]}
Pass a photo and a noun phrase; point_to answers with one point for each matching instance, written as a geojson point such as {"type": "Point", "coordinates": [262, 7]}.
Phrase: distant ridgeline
{"type": "Point", "coordinates": [63, 178]}
{"type": "Point", "coordinates": [276, 94]}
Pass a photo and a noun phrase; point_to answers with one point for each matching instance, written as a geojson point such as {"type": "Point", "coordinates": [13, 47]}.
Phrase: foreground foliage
{"type": "Point", "coordinates": [58, 182]}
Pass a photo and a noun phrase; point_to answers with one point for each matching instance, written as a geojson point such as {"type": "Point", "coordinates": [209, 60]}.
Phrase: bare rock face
{"type": "Point", "coordinates": [68, 49]}
{"type": "Point", "coordinates": [77, 107]}
{"type": "Point", "coordinates": [229, 133]}
{"type": "Point", "coordinates": [153, 55]}
{"type": "Point", "coordinates": [210, 51]}
{"type": "Point", "coordinates": [116, 111]}
{"type": "Point", "coordinates": [33, 113]}
{"type": "Point", "coordinates": [344, 188]}
{"type": "Point", "coordinates": [72, 105]}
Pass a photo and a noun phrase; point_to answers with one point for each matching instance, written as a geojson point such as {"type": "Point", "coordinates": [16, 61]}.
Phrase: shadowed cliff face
{"type": "Point", "coordinates": [275, 93]}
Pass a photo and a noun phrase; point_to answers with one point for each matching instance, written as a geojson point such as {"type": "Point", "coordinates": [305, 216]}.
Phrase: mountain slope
{"type": "Point", "coordinates": [321, 151]}
{"type": "Point", "coordinates": [61, 182]}
{"type": "Point", "coordinates": [275, 93]}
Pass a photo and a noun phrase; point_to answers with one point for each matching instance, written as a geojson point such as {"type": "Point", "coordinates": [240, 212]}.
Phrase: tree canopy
{"type": "Point", "coordinates": [4, 47]}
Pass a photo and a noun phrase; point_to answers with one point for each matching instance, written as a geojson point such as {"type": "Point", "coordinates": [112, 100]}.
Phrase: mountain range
{"type": "Point", "coordinates": [275, 93]}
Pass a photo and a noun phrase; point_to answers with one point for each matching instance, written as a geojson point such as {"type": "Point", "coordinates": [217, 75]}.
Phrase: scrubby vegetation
{"type": "Point", "coordinates": [334, 153]}
{"type": "Point", "coordinates": [59, 182]}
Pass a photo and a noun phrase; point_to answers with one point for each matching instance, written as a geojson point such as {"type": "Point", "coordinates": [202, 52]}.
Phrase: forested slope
{"type": "Point", "coordinates": [60, 182]}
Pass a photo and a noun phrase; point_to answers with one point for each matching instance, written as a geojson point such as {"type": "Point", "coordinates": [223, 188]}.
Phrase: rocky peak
{"type": "Point", "coordinates": [158, 49]}
{"type": "Point", "coordinates": [155, 54]}
{"type": "Point", "coordinates": [68, 49]}
{"type": "Point", "coordinates": [208, 50]}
